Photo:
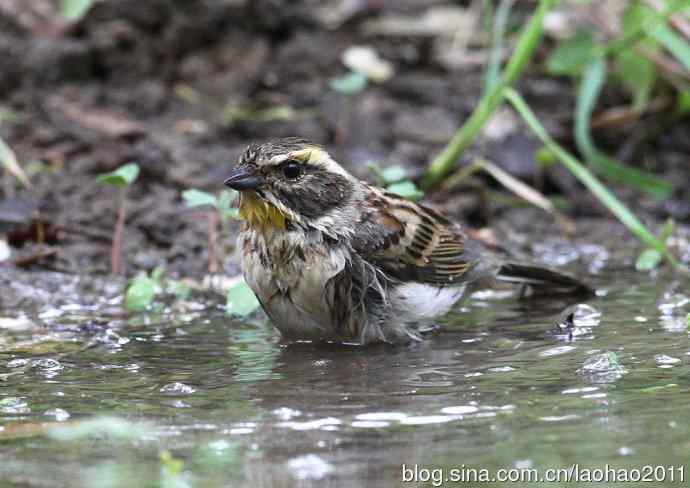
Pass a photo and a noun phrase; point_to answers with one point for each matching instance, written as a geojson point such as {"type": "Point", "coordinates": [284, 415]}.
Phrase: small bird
{"type": "Point", "coordinates": [333, 258]}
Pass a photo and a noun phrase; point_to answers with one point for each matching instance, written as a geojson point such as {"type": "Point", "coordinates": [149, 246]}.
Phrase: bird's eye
{"type": "Point", "coordinates": [292, 170]}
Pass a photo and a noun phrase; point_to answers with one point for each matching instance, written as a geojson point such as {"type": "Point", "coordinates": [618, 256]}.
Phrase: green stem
{"type": "Point", "coordinates": [493, 68]}
{"type": "Point", "coordinates": [444, 162]}
{"type": "Point", "coordinates": [589, 180]}
{"type": "Point", "coordinates": [116, 250]}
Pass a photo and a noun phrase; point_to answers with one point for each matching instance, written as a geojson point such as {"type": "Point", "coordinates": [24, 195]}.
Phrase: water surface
{"type": "Point", "coordinates": [192, 398]}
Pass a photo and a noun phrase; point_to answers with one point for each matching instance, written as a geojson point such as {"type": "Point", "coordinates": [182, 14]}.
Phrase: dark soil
{"type": "Point", "coordinates": [181, 87]}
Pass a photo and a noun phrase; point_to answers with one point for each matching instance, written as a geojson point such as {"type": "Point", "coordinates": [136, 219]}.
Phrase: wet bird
{"type": "Point", "coordinates": [334, 258]}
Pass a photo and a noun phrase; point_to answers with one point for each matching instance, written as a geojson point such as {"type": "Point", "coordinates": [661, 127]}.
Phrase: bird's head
{"type": "Point", "coordinates": [291, 181]}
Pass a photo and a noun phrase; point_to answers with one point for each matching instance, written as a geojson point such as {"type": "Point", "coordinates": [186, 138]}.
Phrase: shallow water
{"type": "Point", "coordinates": [195, 399]}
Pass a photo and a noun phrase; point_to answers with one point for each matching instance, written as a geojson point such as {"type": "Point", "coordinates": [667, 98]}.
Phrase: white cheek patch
{"type": "Point", "coordinates": [416, 301]}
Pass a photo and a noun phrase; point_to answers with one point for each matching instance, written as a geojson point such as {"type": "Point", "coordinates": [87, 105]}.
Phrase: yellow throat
{"type": "Point", "coordinates": [259, 213]}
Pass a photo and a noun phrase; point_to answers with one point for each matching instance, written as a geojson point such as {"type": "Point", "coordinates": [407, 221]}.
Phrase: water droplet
{"type": "Point", "coordinates": [601, 363]}
{"type": "Point", "coordinates": [17, 363]}
{"type": "Point", "coordinates": [49, 367]}
{"type": "Point", "coordinates": [523, 464]}
{"type": "Point", "coordinates": [310, 467]}
{"type": "Point", "coordinates": [14, 405]}
{"type": "Point", "coordinates": [327, 423]}
{"type": "Point", "coordinates": [370, 424]}
{"type": "Point", "coordinates": [17, 324]}
{"type": "Point", "coordinates": [603, 367]}
{"type": "Point", "coordinates": [378, 416]}
{"type": "Point", "coordinates": [426, 420]}
{"type": "Point", "coordinates": [59, 414]}
{"type": "Point", "coordinates": [557, 351]}
{"type": "Point", "coordinates": [663, 359]}
{"type": "Point", "coordinates": [586, 389]}
{"type": "Point", "coordinates": [559, 418]}
{"type": "Point", "coordinates": [220, 445]}
{"type": "Point", "coordinates": [177, 388]}
{"type": "Point", "coordinates": [285, 413]}
{"type": "Point", "coordinates": [460, 410]}
{"type": "Point", "coordinates": [502, 369]}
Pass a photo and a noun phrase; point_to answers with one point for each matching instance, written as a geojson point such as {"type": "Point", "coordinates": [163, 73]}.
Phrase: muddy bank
{"type": "Point", "coordinates": [182, 87]}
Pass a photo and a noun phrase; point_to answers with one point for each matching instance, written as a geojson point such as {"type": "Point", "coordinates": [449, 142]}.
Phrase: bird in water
{"type": "Point", "coordinates": [333, 258]}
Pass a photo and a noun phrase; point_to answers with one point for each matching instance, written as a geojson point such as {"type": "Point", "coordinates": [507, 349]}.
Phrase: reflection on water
{"type": "Point", "coordinates": [194, 399]}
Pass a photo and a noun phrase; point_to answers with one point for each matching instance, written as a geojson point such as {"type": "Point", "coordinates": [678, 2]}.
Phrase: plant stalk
{"type": "Point", "coordinates": [116, 251]}
{"type": "Point", "coordinates": [444, 162]}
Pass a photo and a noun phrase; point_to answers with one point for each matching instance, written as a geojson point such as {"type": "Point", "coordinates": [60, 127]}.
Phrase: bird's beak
{"type": "Point", "coordinates": [241, 179]}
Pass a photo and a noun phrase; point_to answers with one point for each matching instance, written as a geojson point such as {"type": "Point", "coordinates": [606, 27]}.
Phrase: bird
{"type": "Point", "coordinates": [336, 259]}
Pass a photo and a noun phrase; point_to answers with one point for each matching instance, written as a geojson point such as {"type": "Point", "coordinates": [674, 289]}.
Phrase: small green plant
{"type": "Point", "coordinates": [395, 179]}
{"type": "Point", "coordinates": [241, 299]}
{"type": "Point", "coordinates": [75, 10]}
{"type": "Point", "coordinates": [351, 83]}
{"type": "Point", "coordinates": [650, 258]}
{"type": "Point", "coordinates": [144, 288]}
{"type": "Point", "coordinates": [603, 194]}
{"type": "Point", "coordinates": [121, 178]}
{"type": "Point", "coordinates": [635, 63]}
{"type": "Point", "coordinates": [222, 212]}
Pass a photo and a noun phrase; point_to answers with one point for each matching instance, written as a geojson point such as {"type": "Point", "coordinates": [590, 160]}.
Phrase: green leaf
{"type": "Point", "coordinates": [170, 465]}
{"type": "Point", "coordinates": [157, 274]}
{"type": "Point", "coordinates": [140, 293]}
{"type": "Point", "coordinates": [648, 260]}
{"type": "Point", "coordinates": [590, 88]}
{"type": "Point", "coordinates": [378, 172]}
{"type": "Point", "coordinates": [613, 359]}
{"type": "Point", "coordinates": [75, 9]}
{"type": "Point", "coordinates": [572, 56]}
{"type": "Point", "coordinates": [406, 189]}
{"type": "Point", "coordinates": [225, 201]}
{"type": "Point", "coordinates": [198, 198]}
{"type": "Point", "coordinates": [393, 174]}
{"type": "Point", "coordinates": [638, 74]}
{"type": "Point", "coordinates": [545, 157]}
{"type": "Point", "coordinates": [498, 30]}
{"type": "Point", "coordinates": [683, 102]}
{"type": "Point", "coordinates": [180, 289]}
{"type": "Point", "coordinates": [123, 176]}
{"type": "Point", "coordinates": [241, 300]}
{"type": "Point", "coordinates": [667, 230]}
{"type": "Point", "coordinates": [351, 83]}
{"type": "Point", "coordinates": [673, 42]}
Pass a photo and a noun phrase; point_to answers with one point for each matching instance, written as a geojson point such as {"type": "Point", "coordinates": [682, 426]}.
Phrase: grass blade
{"type": "Point", "coordinates": [674, 43]}
{"type": "Point", "coordinates": [493, 67]}
{"type": "Point", "coordinates": [607, 198]}
{"type": "Point", "coordinates": [9, 161]}
{"type": "Point", "coordinates": [590, 88]}
{"type": "Point", "coordinates": [444, 162]}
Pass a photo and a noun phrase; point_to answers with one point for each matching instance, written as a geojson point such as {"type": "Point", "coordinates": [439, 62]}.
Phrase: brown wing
{"type": "Point", "coordinates": [411, 242]}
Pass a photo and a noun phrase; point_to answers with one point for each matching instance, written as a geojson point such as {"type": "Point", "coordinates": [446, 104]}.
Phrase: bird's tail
{"type": "Point", "coordinates": [543, 280]}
